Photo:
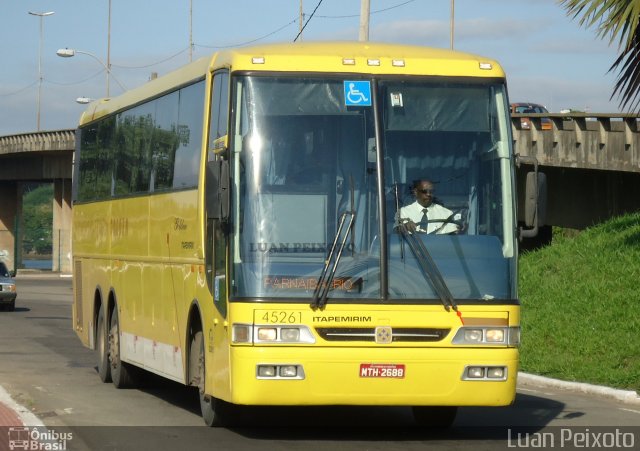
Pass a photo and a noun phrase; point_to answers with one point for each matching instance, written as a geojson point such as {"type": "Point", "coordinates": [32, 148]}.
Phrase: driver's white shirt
{"type": "Point", "coordinates": [434, 212]}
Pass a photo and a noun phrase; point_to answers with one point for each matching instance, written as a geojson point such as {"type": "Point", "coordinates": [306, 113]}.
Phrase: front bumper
{"type": "Point", "coordinates": [7, 297]}
{"type": "Point", "coordinates": [332, 376]}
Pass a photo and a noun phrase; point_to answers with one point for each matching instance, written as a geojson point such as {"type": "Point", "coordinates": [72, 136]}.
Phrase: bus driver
{"type": "Point", "coordinates": [425, 216]}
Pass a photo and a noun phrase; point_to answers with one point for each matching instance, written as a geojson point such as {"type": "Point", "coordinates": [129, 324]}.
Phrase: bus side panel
{"type": "Point", "coordinates": [217, 350]}
{"type": "Point", "coordinates": [173, 239]}
{"type": "Point", "coordinates": [154, 254]}
{"type": "Point", "coordinates": [90, 247]}
{"type": "Point", "coordinates": [174, 229]}
{"type": "Point", "coordinates": [90, 275]}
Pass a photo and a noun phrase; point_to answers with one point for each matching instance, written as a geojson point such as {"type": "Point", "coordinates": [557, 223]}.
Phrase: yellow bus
{"type": "Point", "coordinates": [237, 228]}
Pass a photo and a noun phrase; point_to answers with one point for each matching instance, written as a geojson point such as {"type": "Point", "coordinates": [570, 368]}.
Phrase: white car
{"type": "Point", "coordinates": [8, 291]}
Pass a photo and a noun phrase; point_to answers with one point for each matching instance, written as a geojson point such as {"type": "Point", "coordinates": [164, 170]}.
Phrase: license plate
{"type": "Point", "coordinates": [392, 370]}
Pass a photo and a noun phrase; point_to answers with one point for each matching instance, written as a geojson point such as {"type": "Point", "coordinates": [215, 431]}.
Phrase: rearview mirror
{"type": "Point", "coordinates": [535, 200]}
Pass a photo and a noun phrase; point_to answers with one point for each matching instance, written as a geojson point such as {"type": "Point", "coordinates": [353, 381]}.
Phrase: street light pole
{"type": "Point", "coordinates": [190, 30]}
{"type": "Point", "coordinates": [301, 20]}
{"type": "Point", "coordinates": [68, 53]}
{"type": "Point", "coordinates": [451, 23]}
{"type": "Point", "coordinates": [108, 48]}
{"type": "Point", "coordinates": [365, 7]}
{"type": "Point", "coordinates": [40, 77]}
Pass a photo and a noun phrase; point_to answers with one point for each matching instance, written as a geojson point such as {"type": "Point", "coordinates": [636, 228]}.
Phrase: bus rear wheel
{"type": "Point", "coordinates": [123, 375]}
{"type": "Point", "coordinates": [435, 417]}
{"type": "Point", "coordinates": [102, 350]}
{"type": "Point", "coordinates": [215, 412]}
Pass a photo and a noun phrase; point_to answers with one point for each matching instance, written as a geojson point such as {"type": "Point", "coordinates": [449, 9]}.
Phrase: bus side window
{"type": "Point", "coordinates": [218, 126]}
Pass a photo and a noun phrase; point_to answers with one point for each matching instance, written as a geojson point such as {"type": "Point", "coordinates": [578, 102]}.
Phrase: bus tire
{"type": "Point", "coordinates": [102, 348]}
{"type": "Point", "coordinates": [435, 417]}
{"type": "Point", "coordinates": [123, 375]}
{"type": "Point", "coordinates": [212, 409]}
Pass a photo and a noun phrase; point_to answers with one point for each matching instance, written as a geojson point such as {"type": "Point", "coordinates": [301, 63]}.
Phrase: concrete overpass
{"type": "Point", "coordinates": [36, 157]}
{"type": "Point", "coordinates": [592, 162]}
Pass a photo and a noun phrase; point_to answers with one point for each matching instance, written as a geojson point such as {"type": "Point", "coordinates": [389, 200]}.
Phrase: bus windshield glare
{"type": "Point", "coordinates": [305, 151]}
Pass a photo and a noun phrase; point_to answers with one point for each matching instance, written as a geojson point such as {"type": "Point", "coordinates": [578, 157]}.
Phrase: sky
{"type": "Point", "coordinates": [548, 57]}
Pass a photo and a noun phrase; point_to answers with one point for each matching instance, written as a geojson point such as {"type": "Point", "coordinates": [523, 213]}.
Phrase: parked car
{"type": "Point", "coordinates": [8, 291]}
{"type": "Point", "coordinates": [525, 108]}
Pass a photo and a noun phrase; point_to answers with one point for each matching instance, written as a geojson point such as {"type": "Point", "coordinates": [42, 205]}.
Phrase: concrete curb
{"type": "Point", "coordinates": [625, 396]}
{"type": "Point", "coordinates": [25, 415]}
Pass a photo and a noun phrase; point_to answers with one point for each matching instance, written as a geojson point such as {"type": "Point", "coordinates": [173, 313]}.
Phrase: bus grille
{"type": "Point", "coordinates": [399, 334]}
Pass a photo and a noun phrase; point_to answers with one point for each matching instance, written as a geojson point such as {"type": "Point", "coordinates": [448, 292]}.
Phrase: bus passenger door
{"type": "Point", "coordinates": [216, 328]}
{"type": "Point", "coordinates": [216, 331]}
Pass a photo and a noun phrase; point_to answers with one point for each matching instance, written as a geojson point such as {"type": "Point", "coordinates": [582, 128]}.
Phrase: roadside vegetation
{"type": "Point", "coordinates": [581, 305]}
{"type": "Point", "coordinates": [37, 211]}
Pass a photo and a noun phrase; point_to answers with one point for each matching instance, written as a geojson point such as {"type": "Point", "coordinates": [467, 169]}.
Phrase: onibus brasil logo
{"type": "Point", "coordinates": [38, 439]}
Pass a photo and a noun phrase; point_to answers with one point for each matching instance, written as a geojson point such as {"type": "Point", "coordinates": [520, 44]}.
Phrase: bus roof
{"type": "Point", "coordinates": [329, 57]}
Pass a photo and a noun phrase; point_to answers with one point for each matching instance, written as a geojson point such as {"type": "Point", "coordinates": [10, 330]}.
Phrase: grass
{"type": "Point", "coordinates": [581, 305]}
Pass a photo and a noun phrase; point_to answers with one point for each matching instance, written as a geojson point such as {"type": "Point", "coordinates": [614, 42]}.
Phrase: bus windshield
{"type": "Point", "coordinates": [304, 153]}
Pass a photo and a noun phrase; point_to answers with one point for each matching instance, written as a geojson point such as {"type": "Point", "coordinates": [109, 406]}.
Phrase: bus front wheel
{"type": "Point", "coordinates": [214, 411]}
{"type": "Point", "coordinates": [436, 417]}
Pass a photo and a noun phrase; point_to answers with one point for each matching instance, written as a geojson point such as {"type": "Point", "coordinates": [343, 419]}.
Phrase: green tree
{"type": "Point", "coordinates": [37, 217]}
{"type": "Point", "coordinates": [615, 20]}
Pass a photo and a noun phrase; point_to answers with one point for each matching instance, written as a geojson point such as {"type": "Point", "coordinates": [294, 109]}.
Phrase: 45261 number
{"type": "Point", "coordinates": [280, 317]}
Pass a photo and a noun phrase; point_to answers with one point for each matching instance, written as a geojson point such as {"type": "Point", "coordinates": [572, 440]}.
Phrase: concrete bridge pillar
{"type": "Point", "coordinates": [8, 213]}
{"type": "Point", "coordinates": [61, 226]}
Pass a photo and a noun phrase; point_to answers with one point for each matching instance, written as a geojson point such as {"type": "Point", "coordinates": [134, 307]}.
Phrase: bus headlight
{"type": "Point", "coordinates": [495, 335]}
{"type": "Point", "coordinates": [507, 336]}
{"type": "Point", "coordinates": [279, 371]}
{"type": "Point", "coordinates": [484, 373]}
{"type": "Point", "coordinates": [475, 372]}
{"type": "Point", "coordinates": [473, 335]}
{"type": "Point", "coordinates": [241, 333]}
{"type": "Point", "coordinates": [270, 334]}
{"type": "Point", "coordinates": [496, 372]}
{"type": "Point", "coordinates": [288, 371]}
{"type": "Point", "coordinates": [291, 334]}
{"type": "Point", "coordinates": [267, 334]}
{"type": "Point", "coordinates": [514, 336]}
{"type": "Point", "coordinates": [267, 371]}
{"type": "Point", "coordinates": [283, 334]}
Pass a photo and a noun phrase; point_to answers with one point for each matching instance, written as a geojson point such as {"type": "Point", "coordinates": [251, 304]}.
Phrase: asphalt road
{"type": "Point", "coordinates": [46, 369]}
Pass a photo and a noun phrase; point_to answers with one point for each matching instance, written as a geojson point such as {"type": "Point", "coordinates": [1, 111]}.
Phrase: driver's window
{"type": "Point", "coordinates": [219, 107]}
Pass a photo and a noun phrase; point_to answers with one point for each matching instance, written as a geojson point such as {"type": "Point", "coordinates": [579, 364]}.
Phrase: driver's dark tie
{"type": "Point", "coordinates": [424, 222]}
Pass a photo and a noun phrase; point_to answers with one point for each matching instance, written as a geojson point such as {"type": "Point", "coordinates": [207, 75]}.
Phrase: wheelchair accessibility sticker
{"type": "Point", "coordinates": [357, 93]}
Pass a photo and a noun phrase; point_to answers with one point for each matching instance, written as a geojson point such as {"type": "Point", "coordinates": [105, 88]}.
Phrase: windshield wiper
{"type": "Point", "coordinates": [326, 277]}
{"type": "Point", "coordinates": [429, 267]}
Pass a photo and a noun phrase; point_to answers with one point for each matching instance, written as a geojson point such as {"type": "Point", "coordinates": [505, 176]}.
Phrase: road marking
{"type": "Point", "coordinates": [630, 410]}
